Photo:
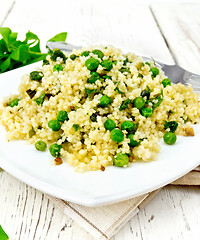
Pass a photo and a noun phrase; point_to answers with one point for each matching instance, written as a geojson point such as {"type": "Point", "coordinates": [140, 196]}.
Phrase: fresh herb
{"type": "Point", "coordinates": [31, 132]}
{"type": "Point", "coordinates": [40, 99]}
{"type": "Point", "coordinates": [140, 75]}
{"type": "Point", "coordinates": [15, 53]}
{"type": "Point", "coordinates": [3, 235]}
{"type": "Point", "coordinates": [61, 37]}
{"type": "Point", "coordinates": [31, 93]}
{"type": "Point", "coordinates": [45, 62]}
{"type": "Point", "coordinates": [125, 61]}
{"type": "Point", "coordinates": [157, 100]}
{"type": "Point", "coordinates": [58, 67]}
{"type": "Point", "coordinates": [141, 65]}
{"type": "Point", "coordinates": [123, 70]}
{"type": "Point", "coordinates": [73, 57]}
{"type": "Point", "coordinates": [125, 104]}
{"type": "Point", "coordinates": [146, 92]}
{"type": "Point", "coordinates": [91, 92]}
{"type": "Point", "coordinates": [185, 119]}
{"type": "Point", "coordinates": [106, 77]}
{"type": "Point", "coordinates": [115, 62]}
{"type": "Point", "coordinates": [36, 76]}
{"type": "Point", "coordinates": [76, 127]}
{"type": "Point", "coordinates": [120, 92]}
{"type": "Point", "coordinates": [93, 117]}
{"type": "Point", "coordinates": [172, 125]}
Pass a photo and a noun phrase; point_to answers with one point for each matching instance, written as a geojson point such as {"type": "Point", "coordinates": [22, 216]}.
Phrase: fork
{"type": "Point", "coordinates": [175, 73]}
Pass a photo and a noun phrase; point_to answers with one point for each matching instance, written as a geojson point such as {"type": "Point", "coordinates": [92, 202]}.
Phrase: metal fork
{"type": "Point", "coordinates": [175, 73]}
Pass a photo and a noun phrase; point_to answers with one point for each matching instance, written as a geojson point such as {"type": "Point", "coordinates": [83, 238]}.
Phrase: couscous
{"type": "Point", "coordinates": [97, 107]}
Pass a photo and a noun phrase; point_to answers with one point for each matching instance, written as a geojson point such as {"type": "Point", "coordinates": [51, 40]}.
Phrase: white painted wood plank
{"type": "Point", "coordinates": [121, 23]}
{"type": "Point", "coordinates": [26, 213]}
{"type": "Point", "coordinates": [6, 7]}
{"type": "Point", "coordinates": [180, 24]}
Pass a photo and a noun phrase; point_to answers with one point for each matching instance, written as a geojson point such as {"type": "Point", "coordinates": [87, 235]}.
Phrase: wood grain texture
{"type": "Point", "coordinates": [180, 25]}
{"type": "Point", "coordinates": [123, 24]}
{"type": "Point", "coordinates": [5, 9]}
{"type": "Point", "coordinates": [25, 213]}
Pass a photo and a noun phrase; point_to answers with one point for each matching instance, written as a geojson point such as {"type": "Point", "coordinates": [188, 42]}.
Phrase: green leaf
{"type": "Point", "coordinates": [59, 37]}
{"type": "Point", "coordinates": [40, 99]}
{"type": "Point", "coordinates": [5, 65]}
{"type": "Point", "coordinates": [117, 89]}
{"type": "Point", "coordinates": [34, 45]}
{"type": "Point", "coordinates": [5, 33]}
{"type": "Point", "coordinates": [3, 47]}
{"type": "Point", "coordinates": [91, 92]}
{"type": "Point", "coordinates": [125, 104]}
{"type": "Point", "coordinates": [15, 53]}
{"type": "Point", "coordinates": [3, 235]}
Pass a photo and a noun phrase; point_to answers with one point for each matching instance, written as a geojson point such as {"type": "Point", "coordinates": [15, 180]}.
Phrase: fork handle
{"type": "Point", "coordinates": [193, 79]}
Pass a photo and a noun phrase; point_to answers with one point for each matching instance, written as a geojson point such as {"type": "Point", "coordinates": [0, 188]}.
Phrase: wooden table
{"type": "Point", "coordinates": [169, 32]}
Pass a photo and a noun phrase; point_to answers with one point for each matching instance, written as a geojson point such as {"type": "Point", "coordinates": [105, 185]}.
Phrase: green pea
{"type": "Point", "coordinates": [139, 102]}
{"type": "Point", "coordinates": [166, 82]}
{"type": "Point", "coordinates": [98, 52]}
{"type": "Point", "coordinates": [121, 159]}
{"type": "Point", "coordinates": [55, 150]}
{"type": "Point", "coordinates": [54, 124]}
{"type": "Point", "coordinates": [36, 76]}
{"type": "Point", "coordinates": [62, 116]}
{"type": "Point", "coordinates": [14, 102]}
{"type": "Point", "coordinates": [169, 138]}
{"type": "Point", "coordinates": [92, 64]}
{"type": "Point", "coordinates": [58, 67]}
{"type": "Point", "coordinates": [133, 143]}
{"type": "Point", "coordinates": [117, 135]}
{"type": "Point", "coordinates": [57, 53]}
{"type": "Point", "coordinates": [85, 53]}
{"type": "Point", "coordinates": [109, 124]}
{"type": "Point", "coordinates": [128, 126]}
{"type": "Point", "coordinates": [40, 145]}
{"type": "Point", "coordinates": [105, 101]}
{"type": "Point", "coordinates": [94, 77]}
{"type": "Point", "coordinates": [155, 71]}
{"type": "Point", "coordinates": [107, 64]}
{"type": "Point", "coordinates": [73, 57]}
{"type": "Point", "coordinates": [146, 112]}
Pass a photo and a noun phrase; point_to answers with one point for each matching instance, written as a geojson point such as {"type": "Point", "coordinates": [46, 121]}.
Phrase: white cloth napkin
{"type": "Point", "coordinates": [104, 222]}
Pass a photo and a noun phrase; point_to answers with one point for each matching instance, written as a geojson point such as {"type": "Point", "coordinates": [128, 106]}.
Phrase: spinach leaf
{"type": "Point", "coordinates": [15, 53]}
{"type": "Point", "coordinates": [59, 37]}
{"type": "Point", "coordinates": [3, 235]}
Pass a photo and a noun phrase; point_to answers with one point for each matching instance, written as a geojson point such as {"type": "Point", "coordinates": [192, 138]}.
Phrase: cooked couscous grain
{"type": "Point", "coordinates": [97, 106]}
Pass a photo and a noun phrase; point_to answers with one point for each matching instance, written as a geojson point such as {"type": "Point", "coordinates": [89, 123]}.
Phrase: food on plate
{"type": "Point", "coordinates": [97, 107]}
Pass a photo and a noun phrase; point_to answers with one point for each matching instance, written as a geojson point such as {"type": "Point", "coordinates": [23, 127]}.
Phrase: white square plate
{"type": "Point", "coordinates": [96, 188]}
